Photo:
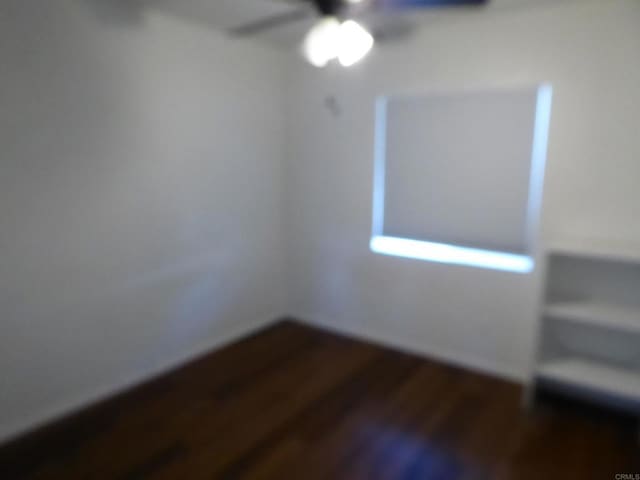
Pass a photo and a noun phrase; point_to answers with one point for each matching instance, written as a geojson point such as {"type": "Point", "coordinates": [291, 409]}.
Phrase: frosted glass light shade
{"type": "Point", "coordinates": [322, 42]}
{"type": "Point", "coordinates": [355, 43]}
{"type": "Point", "coordinates": [348, 42]}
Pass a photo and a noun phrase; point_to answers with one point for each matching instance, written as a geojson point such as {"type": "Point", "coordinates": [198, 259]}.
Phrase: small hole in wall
{"type": "Point", "coordinates": [331, 104]}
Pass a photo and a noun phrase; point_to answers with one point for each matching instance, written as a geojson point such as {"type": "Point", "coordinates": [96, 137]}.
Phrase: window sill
{"type": "Point", "coordinates": [451, 254]}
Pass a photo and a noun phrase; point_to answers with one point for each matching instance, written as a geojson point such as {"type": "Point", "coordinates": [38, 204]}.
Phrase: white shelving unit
{"type": "Point", "coordinates": [620, 317]}
{"type": "Point", "coordinates": [589, 333]}
{"type": "Point", "coordinates": [592, 378]}
{"type": "Point", "coordinates": [607, 250]}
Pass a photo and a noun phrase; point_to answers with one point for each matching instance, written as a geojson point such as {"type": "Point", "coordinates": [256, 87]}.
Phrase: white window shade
{"type": "Point", "coordinates": [462, 169]}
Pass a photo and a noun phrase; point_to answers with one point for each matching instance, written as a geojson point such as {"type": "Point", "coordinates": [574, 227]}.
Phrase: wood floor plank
{"type": "Point", "coordinates": [374, 382]}
{"type": "Point", "coordinates": [293, 402]}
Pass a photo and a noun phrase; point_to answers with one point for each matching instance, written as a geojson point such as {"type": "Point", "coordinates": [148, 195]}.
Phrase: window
{"type": "Point", "coordinates": [458, 178]}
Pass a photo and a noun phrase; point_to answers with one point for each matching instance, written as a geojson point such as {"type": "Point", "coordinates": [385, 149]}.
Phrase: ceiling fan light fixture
{"type": "Point", "coordinates": [328, 39]}
{"type": "Point", "coordinates": [355, 43]}
{"type": "Point", "coordinates": [322, 42]}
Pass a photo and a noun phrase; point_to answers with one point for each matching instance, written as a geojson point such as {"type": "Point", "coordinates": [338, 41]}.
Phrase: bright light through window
{"type": "Point", "coordinates": [519, 259]}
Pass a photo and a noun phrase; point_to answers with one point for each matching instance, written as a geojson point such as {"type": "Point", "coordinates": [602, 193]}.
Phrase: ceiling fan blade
{"type": "Point", "coordinates": [264, 24]}
{"type": "Point", "coordinates": [400, 4]}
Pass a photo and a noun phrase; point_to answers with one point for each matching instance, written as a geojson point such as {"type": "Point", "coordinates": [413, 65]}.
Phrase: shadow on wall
{"type": "Point", "coordinates": [116, 12]}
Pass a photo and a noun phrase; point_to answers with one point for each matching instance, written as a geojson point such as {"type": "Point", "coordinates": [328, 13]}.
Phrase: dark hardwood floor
{"type": "Point", "coordinates": [293, 402]}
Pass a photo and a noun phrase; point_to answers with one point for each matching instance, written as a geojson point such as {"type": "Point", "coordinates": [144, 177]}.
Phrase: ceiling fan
{"type": "Point", "coordinates": [336, 35]}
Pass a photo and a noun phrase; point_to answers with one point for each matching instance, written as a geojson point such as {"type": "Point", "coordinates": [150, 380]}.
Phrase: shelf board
{"type": "Point", "coordinates": [597, 378]}
{"type": "Point", "coordinates": [618, 317]}
{"type": "Point", "coordinates": [608, 250]}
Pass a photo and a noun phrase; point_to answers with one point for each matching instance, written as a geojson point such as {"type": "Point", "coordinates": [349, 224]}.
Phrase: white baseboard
{"type": "Point", "coordinates": [57, 411]}
{"type": "Point", "coordinates": [459, 359]}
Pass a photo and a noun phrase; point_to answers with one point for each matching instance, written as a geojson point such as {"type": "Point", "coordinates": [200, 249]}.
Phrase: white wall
{"type": "Point", "coordinates": [588, 51]}
{"type": "Point", "coordinates": [140, 198]}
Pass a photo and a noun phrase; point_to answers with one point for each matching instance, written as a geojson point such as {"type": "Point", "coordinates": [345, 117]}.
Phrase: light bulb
{"type": "Point", "coordinates": [322, 42]}
{"type": "Point", "coordinates": [349, 42]}
{"type": "Point", "coordinates": [354, 44]}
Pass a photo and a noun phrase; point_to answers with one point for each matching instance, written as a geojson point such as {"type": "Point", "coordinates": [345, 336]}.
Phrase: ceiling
{"type": "Point", "coordinates": [229, 14]}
